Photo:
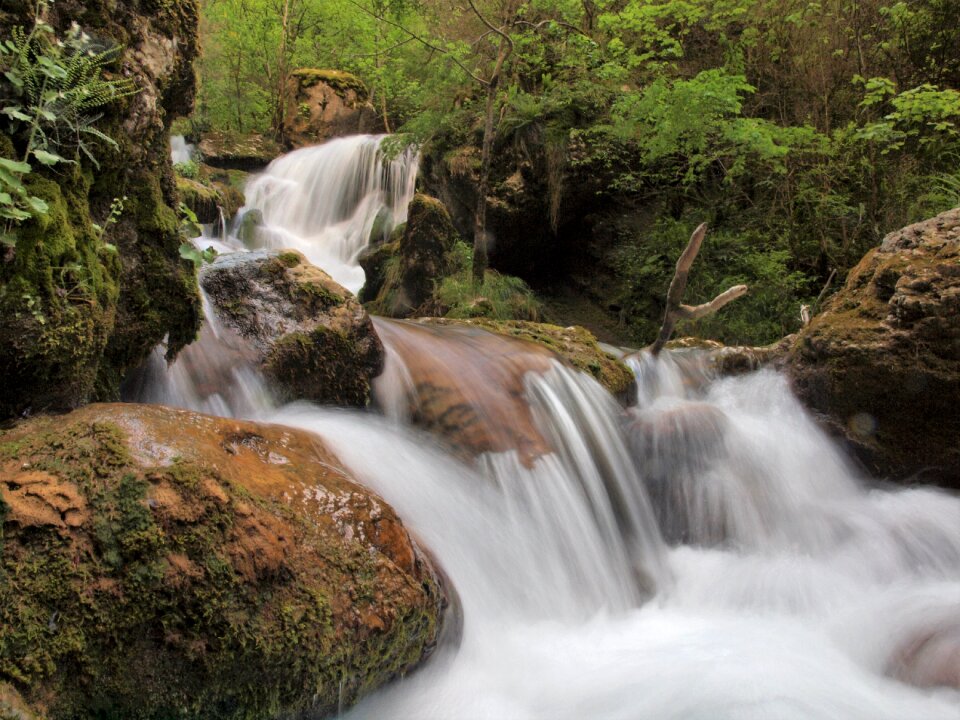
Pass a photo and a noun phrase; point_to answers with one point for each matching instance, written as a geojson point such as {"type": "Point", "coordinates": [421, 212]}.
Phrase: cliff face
{"type": "Point", "coordinates": [79, 306]}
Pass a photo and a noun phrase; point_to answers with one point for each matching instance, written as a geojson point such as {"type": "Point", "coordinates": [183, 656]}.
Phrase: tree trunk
{"type": "Point", "coordinates": [480, 220]}
{"type": "Point", "coordinates": [480, 258]}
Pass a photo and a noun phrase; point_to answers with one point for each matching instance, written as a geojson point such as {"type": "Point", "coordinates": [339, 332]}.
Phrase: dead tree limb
{"type": "Point", "coordinates": [675, 310]}
{"type": "Point", "coordinates": [823, 293]}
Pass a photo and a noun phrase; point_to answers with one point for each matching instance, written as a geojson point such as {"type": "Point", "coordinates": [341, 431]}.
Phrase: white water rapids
{"type": "Point", "coordinates": [786, 588]}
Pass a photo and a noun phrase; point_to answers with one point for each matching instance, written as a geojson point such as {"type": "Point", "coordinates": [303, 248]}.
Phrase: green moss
{"type": "Point", "coordinates": [339, 80]}
{"type": "Point", "coordinates": [57, 302]}
{"type": "Point", "coordinates": [289, 259]}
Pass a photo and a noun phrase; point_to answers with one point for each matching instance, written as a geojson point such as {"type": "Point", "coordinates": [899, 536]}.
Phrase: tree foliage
{"type": "Point", "coordinates": [801, 130]}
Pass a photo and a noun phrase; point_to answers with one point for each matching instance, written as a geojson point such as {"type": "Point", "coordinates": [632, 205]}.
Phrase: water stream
{"type": "Point", "coordinates": [708, 554]}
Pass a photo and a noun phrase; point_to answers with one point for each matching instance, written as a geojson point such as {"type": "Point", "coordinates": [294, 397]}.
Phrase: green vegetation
{"type": "Point", "coordinates": [801, 131]}
{"type": "Point", "coordinates": [498, 297]}
{"type": "Point", "coordinates": [52, 87]}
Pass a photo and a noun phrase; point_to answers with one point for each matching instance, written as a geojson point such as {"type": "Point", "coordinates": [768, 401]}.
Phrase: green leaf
{"type": "Point", "coordinates": [189, 252]}
{"type": "Point", "coordinates": [38, 205]}
{"type": "Point", "coordinates": [15, 165]}
{"type": "Point", "coordinates": [12, 213]}
{"type": "Point", "coordinates": [8, 239]}
{"type": "Point", "coordinates": [49, 158]}
{"type": "Point", "coordinates": [15, 111]}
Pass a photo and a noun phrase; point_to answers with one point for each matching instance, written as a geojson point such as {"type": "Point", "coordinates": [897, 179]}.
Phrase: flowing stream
{"type": "Point", "coordinates": [707, 554]}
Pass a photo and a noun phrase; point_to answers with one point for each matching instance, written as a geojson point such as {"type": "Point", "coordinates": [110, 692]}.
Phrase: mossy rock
{"type": "Point", "coordinates": [421, 253]}
{"type": "Point", "coordinates": [202, 199]}
{"type": "Point", "coordinates": [58, 303]}
{"type": "Point", "coordinates": [164, 564]}
{"type": "Point", "coordinates": [80, 307]}
{"type": "Point", "coordinates": [882, 361]}
{"type": "Point", "coordinates": [339, 80]}
{"type": "Point", "coordinates": [234, 151]}
{"type": "Point", "coordinates": [313, 339]}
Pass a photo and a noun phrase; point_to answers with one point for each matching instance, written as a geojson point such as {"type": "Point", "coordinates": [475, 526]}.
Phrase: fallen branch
{"type": "Point", "coordinates": [675, 310]}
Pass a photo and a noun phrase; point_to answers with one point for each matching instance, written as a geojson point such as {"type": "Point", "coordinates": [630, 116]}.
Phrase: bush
{"type": "Point", "coordinates": [500, 297]}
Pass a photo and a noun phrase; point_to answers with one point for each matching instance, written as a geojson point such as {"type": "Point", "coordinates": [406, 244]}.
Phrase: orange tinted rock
{"type": "Point", "coordinates": [235, 564]}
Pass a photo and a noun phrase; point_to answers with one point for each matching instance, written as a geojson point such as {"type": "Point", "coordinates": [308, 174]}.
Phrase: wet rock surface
{"type": "Point", "coordinates": [314, 340]}
{"type": "Point", "coordinates": [882, 361]}
{"type": "Point", "coordinates": [163, 563]}
{"type": "Point", "coordinates": [465, 378]}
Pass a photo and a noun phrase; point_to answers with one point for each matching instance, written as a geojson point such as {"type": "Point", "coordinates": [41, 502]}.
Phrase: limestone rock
{"type": "Point", "coordinates": [314, 340]}
{"type": "Point", "coordinates": [324, 104]}
{"type": "Point", "coordinates": [882, 361]}
{"type": "Point", "coordinates": [163, 563]}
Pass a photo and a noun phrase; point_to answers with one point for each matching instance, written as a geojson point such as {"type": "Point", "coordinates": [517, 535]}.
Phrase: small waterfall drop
{"type": "Point", "coordinates": [326, 200]}
{"type": "Point", "coordinates": [180, 150]}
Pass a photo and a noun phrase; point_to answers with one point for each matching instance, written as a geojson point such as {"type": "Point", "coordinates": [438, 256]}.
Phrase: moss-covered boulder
{"type": "Point", "coordinates": [159, 563]}
{"type": "Point", "coordinates": [207, 198]}
{"type": "Point", "coordinates": [202, 199]}
{"type": "Point", "coordinates": [314, 340]}
{"type": "Point", "coordinates": [882, 361]}
{"type": "Point", "coordinates": [81, 305]}
{"type": "Point", "coordinates": [403, 274]}
{"type": "Point", "coordinates": [324, 104]}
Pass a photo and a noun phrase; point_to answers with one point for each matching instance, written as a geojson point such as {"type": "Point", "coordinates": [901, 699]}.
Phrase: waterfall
{"type": "Point", "coordinates": [180, 150]}
{"type": "Point", "coordinates": [707, 553]}
{"type": "Point", "coordinates": [326, 200]}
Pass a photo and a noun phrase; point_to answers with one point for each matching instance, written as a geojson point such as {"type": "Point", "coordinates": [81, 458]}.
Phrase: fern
{"type": "Point", "coordinates": [49, 89]}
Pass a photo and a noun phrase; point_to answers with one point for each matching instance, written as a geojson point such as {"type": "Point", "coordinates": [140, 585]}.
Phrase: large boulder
{"type": "Point", "coordinates": [159, 563]}
{"type": "Point", "coordinates": [314, 340]}
{"type": "Point", "coordinates": [79, 307]}
{"type": "Point", "coordinates": [882, 361]}
{"type": "Point", "coordinates": [324, 104]}
{"type": "Point", "coordinates": [403, 274]}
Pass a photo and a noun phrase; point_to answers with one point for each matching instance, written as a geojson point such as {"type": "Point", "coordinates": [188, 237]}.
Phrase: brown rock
{"type": "Point", "coordinates": [230, 568]}
{"type": "Point", "coordinates": [324, 104]}
{"type": "Point", "coordinates": [311, 336]}
{"type": "Point", "coordinates": [882, 362]}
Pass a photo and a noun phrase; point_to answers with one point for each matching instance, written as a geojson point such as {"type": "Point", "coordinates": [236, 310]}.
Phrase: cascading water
{"type": "Point", "coordinates": [180, 150]}
{"type": "Point", "coordinates": [786, 588]}
{"type": "Point", "coordinates": [326, 200]}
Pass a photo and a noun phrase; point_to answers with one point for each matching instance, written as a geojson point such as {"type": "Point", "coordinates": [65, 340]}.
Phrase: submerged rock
{"type": "Point", "coordinates": [161, 563]}
{"type": "Point", "coordinates": [882, 361]}
{"type": "Point", "coordinates": [324, 104]}
{"type": "Point", "coordinates": [314, 340]}
{"type": "Point", "coordinates": [464, 380]}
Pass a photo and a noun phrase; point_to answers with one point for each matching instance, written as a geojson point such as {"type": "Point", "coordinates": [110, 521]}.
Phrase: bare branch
{"type": "Point", "coordinates": [687, 312]}
{"type": "Point", "coordinates": [823, 293]}
{"type": "Point", "coordinates": [494, 28]}
{"type": "Point", "coordinates": [675, 311]}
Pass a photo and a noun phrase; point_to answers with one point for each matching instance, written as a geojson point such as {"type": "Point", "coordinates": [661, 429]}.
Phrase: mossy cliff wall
{"type": "Point", "coordinates": [77, 308]}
